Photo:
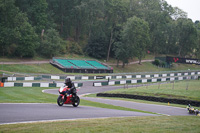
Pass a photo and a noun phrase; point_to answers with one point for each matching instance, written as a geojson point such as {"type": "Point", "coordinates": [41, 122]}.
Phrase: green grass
{"type": "Point", "coordinates": [166, 90]}
{"type": "Point", "coordinates": [149, 67]}
{"type": "Point", "coordinates": [161, 124]}
{"type": "Point", "coordinates": [25, 95]}
{"type": "Point", "coordinates": [49, 69]}
{"type": "Point", "coordinates": [16, 59]}
{"type": "Point", "coordinates": [31, 68]}
{"type": "Point", "coordinates": [108, 106]}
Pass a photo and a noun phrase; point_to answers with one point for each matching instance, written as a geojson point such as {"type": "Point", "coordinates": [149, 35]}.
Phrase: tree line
{"type": "Point", "coordinates": [121, 29]}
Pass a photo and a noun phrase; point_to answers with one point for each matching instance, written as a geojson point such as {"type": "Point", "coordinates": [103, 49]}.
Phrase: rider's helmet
{"type": "Point", "coordinates": [68, 81]}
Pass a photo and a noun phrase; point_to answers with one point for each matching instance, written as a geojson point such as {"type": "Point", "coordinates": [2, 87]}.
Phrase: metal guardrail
{"type": "Point", "coordinates": [124, 76]}
{"type": "Point", "coordinates": [145, 80]}
{"type": "Point", "coordinates": [13, 84]}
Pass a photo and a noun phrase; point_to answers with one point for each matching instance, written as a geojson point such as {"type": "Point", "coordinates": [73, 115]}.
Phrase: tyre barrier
{"type": "Point", "coordinates": [12, 84]}
{"type": "Point", "coordinates": [150, 98]}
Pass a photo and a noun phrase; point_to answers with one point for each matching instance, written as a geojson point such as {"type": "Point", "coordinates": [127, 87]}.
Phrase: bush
{"type": "Point", "coordinates": [163, 64]}
{"type": "Point", "coordinates": [74, 48]}
{"type": "Point", "coordinates": [156, 62]}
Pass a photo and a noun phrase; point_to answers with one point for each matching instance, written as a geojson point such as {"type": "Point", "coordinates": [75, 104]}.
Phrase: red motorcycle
{"type": "Point", "coordinates": [65, 98]}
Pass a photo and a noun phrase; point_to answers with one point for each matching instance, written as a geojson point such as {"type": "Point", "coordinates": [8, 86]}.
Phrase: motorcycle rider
{"type": "Point", "coordinates": [70, 85]}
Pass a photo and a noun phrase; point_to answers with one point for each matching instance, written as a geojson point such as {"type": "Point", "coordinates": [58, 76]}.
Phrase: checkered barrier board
{"type": "Point", "coordinates": [127, 76]}
{"type": "Point", "coordinates": [13, 84]}
{"type": "Point", "coordinates": [135, 81]}
{"type": "Point", "coordinates": [106, 77]}
{"type": "Point", "coordinates": [23, 78]}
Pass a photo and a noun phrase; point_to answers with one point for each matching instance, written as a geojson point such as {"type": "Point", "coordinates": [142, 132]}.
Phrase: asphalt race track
{"type": "Point", "coordinates": [22, 113]}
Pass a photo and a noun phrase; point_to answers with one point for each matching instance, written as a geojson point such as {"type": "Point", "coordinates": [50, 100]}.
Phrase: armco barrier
{"type": "Point", "coordinates": [150, 98]}
{"type": "Point", "coordinates": [138, 76]}
{"type": "Point", "coordinates": [23, 78]}
{"type": "Point", "coordinates": [128, 76]}
{"type": "Point", "coordinates": [13, 84]}
{"type": "Point", "coordinates": [134, 81]}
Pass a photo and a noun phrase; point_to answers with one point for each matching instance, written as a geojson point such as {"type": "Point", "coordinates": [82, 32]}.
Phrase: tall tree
{"type": "Point", "coordinates": [187, 36]}
{"type": "Point", "coordinates": [178, 13]}
{"type": "Point", "coordinates": [115, 14]}
{"type": "Point", "coordinates": [97, 42]}
{"type": "Point", "coordinates": [136, 35]}
{"type": "Point", "coordinates": [197, 52]}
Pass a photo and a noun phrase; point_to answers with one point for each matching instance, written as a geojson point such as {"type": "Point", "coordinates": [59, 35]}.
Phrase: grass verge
{"type": "Point", "coordinates": [186, 90]}
{"type": "Point", "coordinates": [49, 69]}
{"type": "Point", "coordinates": [161, 124]}
{"type": "Point", "coordinates": [149, 67]}
{"type": "Point", "coordinates": [31, 68]}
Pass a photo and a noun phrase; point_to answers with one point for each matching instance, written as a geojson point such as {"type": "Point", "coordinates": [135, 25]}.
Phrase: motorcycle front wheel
{"type": "Point", "coordinates": [76, 102]}
{"type": "Point", "coordinates": [60, 101]}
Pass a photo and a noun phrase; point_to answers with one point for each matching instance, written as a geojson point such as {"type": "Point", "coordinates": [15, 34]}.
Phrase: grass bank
{"type": "Point", "coordinates": [31, 68]}
{"type": "Point", "coordinates": [161, 124]}
{"type": "Point", "coordinates": [49, 69]}
{"type": "Point", "coordinates": [187, 90]}
{"type": "Point", "coordinates": [149, 67]}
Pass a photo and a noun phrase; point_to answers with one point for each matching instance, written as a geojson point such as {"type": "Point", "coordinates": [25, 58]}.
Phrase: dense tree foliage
{"type": "Point", "coordinates": [197, 25]}
{"type": "Point", "coordinates": [51, 44]}
{"type": "Point", "coordinates": [136, 35]}
{"type": "Point", "coordinates": [96, 28]}
{"type": "Point", "coordinates": [187, 37]}
{"type": "Point", "coordinates": [17, 36]}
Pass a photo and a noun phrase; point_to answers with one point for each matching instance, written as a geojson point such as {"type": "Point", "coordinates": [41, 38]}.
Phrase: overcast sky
{"type": "Point", "coordinates": [192, 7]}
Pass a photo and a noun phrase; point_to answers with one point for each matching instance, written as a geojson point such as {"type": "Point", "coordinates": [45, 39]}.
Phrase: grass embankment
{"type": "Point", "coordinates": [188, 90]}
{"type": "Point", "coordinates": [31, 68]}
{"type": "Point", "coordinates": [149, 67]}
{"type": "Point", "coordinates": [49, 69]}
{"type": "Point", "coordinates": [161, 124]}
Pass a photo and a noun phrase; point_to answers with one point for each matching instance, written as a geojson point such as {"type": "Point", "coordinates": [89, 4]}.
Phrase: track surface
{"type": "Point", "coordinates": [161, 109]}
{"type": "Point", "coordinates": [20, 113]}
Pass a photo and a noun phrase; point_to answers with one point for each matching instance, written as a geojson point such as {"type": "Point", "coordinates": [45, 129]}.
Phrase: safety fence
{"type": "Point", "coordinates": [138, 76]}
{"type": "Point", "coordinates": [13, 84]}
{"type": "Point", "coordinates": [151, 98]}
{"type": "Point", "coordinates": [135, 81]}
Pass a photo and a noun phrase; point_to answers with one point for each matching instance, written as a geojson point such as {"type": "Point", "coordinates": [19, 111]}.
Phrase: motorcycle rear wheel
{"type": "Point", "coordinates": [60, 101]}
{"type": "Point", "coordinates": [76, 102]}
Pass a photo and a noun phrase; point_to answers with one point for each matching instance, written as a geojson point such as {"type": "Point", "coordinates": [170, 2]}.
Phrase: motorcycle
{"type": "Point", "coordinates": [65, 98]}
{"type": "Point", "coordinates": [192, 110]}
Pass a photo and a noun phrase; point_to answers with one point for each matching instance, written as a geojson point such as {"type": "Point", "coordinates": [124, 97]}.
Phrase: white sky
{"type": "Point", "coordinates": [192, 7]}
